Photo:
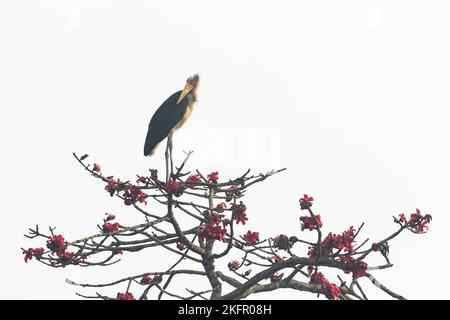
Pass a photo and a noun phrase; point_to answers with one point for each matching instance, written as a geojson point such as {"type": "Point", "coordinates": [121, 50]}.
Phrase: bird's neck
{"type": "Point", "coordinates": [194, 94]}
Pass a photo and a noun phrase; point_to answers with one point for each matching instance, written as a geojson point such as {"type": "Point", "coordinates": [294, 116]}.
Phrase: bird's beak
{"type": "Point", "coordinates": [187, 88]}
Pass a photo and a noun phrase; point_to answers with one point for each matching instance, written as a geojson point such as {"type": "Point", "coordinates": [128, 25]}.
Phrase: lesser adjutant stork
{"type": "Point", "coordinates": [169, 117]}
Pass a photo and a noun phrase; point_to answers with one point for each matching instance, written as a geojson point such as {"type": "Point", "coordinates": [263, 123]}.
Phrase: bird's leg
{"type": "Point", "coordinates": [170, 153]}
{"type": "Point", "coordinates": [167, 160]}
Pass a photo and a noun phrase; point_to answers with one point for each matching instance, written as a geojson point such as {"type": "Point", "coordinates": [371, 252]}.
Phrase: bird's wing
{"type": "Point", "coordinates": [163, 121]}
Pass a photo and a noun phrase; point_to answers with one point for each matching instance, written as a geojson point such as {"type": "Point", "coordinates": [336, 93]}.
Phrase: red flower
{"type": "Point", "coordinates": [142, 180]}
{"type": "Point", "coordinates": [174, 187]}
{"type": "Point", "coordinates": [312, 251]}
{"type": "Point", "coordinates": [133, 195]}
{"type": "Point", "coordinates": [125, 296]}
{"type": "Point", "coordinates": [242, 218]}
{"type": "Point", "coordinates": [28, 254]}
{"type": "Point", "coordinates": [347, 238]}
{"type": "Point", "coordinates": [238, 212]}
{"type": "Point", "coordinates": [308, 222]}
{"type": "Point", "coordinates": [221, 206]}
{"type": "Point", "coordinates": [112, 187]}
{"type": "Point", "coordinates": [251, 238]}
{"type": "Point", "coordinates": [282, 242]}
{"type": "Point", "coordinates": [33, 252]}
{"type": "Point", "coordinates": [110, 227]}
{"type": "Point", "coordinates": [339, 242]}
{"type": "Point", "coordinates": [97, 167]}
{"type": "Point", "coordinates": [38, 252]}
{"type": "Point", "coordinates": [57, 245]}
{"type": "Point", "coordinates": [66, 258]}
{"type": "Point", "coordinates": [381, 247]}
{"type": "Point", "coordinates": [181, 246]}
{"type": "Point", "coordinates": [192, 180]}
{"type": "Point", "coordinates": [109, 216]}
{"type": "Point", "coordinates": [306, 202]}
{"type": "Point", "coordinates": [212, 231]}
{"type": "Point", "coordinates": [216, 218]}
{"type": "Point", "coordinates": [402, 218]}
{"type": "Point", "coordinates": [234, 265]}
{"type": "Point", "coordinates": [213, 177]}
{"type": "Point", "coordinates": [417, 223]}
{"type": "Point", "coordinates": [358, 268]}
{"type": "Point", "coordinates": [146, 279]}
{"type": "Point", "coordinates": [310, 270]}
{"type": "Point", "coordinates": [330, 290]}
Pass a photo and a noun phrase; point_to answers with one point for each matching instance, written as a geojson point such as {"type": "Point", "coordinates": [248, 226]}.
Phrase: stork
{"type": "Point", "coordinates": [168, 118]}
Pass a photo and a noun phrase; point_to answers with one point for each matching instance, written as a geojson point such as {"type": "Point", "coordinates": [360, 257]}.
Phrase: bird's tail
{"type": "Point", "coordinates": [150, 145]}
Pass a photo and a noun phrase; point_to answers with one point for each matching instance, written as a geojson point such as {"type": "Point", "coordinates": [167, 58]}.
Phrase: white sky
{"type": "Point", "coordinates": [350, 96]}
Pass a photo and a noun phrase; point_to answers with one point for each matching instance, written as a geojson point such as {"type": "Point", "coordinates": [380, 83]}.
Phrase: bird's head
{"type": "Point", "coordinates": [191, 86]}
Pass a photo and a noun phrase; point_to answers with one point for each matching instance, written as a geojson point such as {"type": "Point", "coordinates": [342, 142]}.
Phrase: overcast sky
{"type": "Point", "coordinates": [351, 97]}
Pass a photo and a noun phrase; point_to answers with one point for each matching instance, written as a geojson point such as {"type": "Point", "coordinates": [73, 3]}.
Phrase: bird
{"type": "Point", "coordinates": [169, 117]}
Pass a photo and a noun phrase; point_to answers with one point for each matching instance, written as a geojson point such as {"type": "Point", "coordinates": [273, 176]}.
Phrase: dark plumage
{"type": "Point", "coordinates": [165, 120]}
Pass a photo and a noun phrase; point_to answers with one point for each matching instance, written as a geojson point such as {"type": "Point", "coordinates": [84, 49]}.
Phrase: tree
{"type": "Point", "coordinates": [218, 213]}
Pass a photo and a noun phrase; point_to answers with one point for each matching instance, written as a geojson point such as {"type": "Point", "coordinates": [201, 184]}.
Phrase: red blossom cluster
{"type": "Point", "coordinates": [146, 279]}
{"type": "Point", "coordinates": [174, 187]}
{"type": "Point", "coordinates": [343, 241]}
{"type": "Point", "coordinates": [221, 207]}
{"type": "Point", "coordinates": [306, 202]}
{"type": "Point", "coordinates": [417, 222]}
{"type": "Point", "coordinates": [147, 180]}
{"type": "Point", "coordinates": [338, 249]}
{"type": "Point", "coordinates": [96, 167]}
{"type": "Point", "coordinates": [212, 230]}
{"type": "Point", "coordinates": [233, 265]}
{"type": "Point", "coordinates": [309, 223]}
{"type": "Point", "coordinates": [192, 180]}
{"type": "Point", "coordinates": [125, 296]}
{"type": "Point", "coordinates": [251, 238]}
{"type": "Point", "coordinates": [112, 187]}
{"type": "Point", "coordinates": [382, 247]}
{"type": "Point", "coordinates": [33, 252]}
{"type": "Point", "coordinates": [330, 290]}
{"type": "Point", "coordinates": [142, 179]}
{"type": "Point", "coordinates": [133, 195]}
{"type": "Point", "coordinates": [66, 258]}
{"type": "Point", "coordinates": [213, 177]}
{"type": "Point", "coordinates": [332, 242]}
{"type": "Point", "coordinates": [57, 245]}
{"type": "Point", "coordinates": [239, 212]}
{"type": "Point", "coordinates": [282, 242]}
{"type": "Point", "coordinates": [356, 267]}
{"type": "Point", "coordinates": [110, 227]}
